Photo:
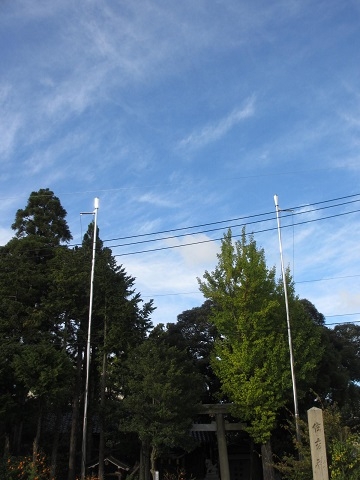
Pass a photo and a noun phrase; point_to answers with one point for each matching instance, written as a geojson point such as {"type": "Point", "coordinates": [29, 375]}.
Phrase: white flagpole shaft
{"type": "Point", "coordinates": [88, 343]}
{"type": "Point", "coordinates": [296, 410]}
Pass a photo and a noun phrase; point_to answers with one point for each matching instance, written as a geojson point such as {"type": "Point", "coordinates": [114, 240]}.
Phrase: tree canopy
{"type": "Point", "coordinates": [251, 355]}
{"type": "Point", "coordinates": [44, 313]}
{"type": "Point", "coordinates": [145, 382]}
{"type": "Point", "coordinates": [43, 216]}
{"type": "Point", "coordinates": [164, 391]}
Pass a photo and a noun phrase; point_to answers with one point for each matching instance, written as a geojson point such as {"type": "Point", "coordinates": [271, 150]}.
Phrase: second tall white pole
{"type": "Point", "coordinates": [88, 343]}
{"type": "Point", "coordinates": [296, 409]}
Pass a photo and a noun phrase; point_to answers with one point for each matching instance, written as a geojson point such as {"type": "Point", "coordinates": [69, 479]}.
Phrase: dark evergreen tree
{"type": "Point", "coordinates": [164, 391]}
{"type": "Point", "coordinates": [196, 333]}
{"type": "Point", "coordinates": [120, 321]}
{"type": "Point", "coordinates": [42, 217]}
{"type": "Point", "coordinates": [44, 314]}
{"type": "Point", "coordinates": [26, 332]}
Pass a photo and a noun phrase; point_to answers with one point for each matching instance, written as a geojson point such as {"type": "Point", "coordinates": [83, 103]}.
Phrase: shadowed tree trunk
{"type": "Point", "coordinates": [55, 445]}
{"type": "Point", "coordinates": [18, 437]}
{"type": "Point", "coordinates": [75, 418]}
{"type": "Point", "coordinates": [7, 446]}
{"type": "Point", "coordinates": [267, 462]}
{"type": "Point", "coordinates": [37, 436]}
{"type": "Point", "coordinates": [153, 457]}
{"type": "Point", "coordinates": [144, 471]}
{"type": "Point", "coordinates": [102, 412]}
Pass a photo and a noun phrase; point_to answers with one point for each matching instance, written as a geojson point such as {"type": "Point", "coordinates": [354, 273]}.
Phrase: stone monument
{"type": "Point", "coordinates": [317, 444]}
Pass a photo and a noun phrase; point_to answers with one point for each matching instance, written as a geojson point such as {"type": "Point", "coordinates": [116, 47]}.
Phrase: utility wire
{"type": "Point", "coordinates": [216, 229]}
{"type": "Point", "coordinates": [200, 241]}
{"type": "Point", "coordinates": [234, 236]}
{"type": "Point", "coordinates": [244, 218]}
{"type": "Point", "coordinates": [326, 279]}
{"type": "Point", "coordinates": [228, 226]}
{"type": "Point", "coordinates": [222, 222]}
{"type": "Point", "coordinates": [302, 281]}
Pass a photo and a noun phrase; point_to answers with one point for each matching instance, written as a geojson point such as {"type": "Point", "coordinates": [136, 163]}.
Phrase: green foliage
{"type": "Point", "coordinates": [195, 333]}
{"type": "Point", "coordinates": [291, 466]}
{"type": "Point", "coordinates": [343, 450]}
{"type": "Point", "coordinates": [345, 458]}
{"type": "Point", "coordinates": [44, 370]}
{"type": "Point", "coordinates": [337, 377]}
{"type": "Point", "coordinates": [44, 314]}
{"type": "Point", "coordinates": [251, 354]}
{"type": "Point", "coordinates": [44, 217]}
{"type": "Point", "coordinates": [163, 393]}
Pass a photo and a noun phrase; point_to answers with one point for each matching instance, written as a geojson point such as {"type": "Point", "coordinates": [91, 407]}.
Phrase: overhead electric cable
{"type": "Point", "coordinates": [229, 226]}
{"type": "Point", "coordinates": [234, 236]}
{"type": "Point", "coordinates": [190, 227]}
{"type": "Point", "coordinates": [326, 279]}
{"type": "Point", "coordinates": [210, 230]}
{"type": "Point", "coordinates": [140, 235]}
{"type": "Point", "coordinates": [197, 233]}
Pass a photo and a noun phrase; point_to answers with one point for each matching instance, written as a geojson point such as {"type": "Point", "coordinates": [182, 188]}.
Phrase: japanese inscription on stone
{"type": "Point", "coordinates": [317, 444]}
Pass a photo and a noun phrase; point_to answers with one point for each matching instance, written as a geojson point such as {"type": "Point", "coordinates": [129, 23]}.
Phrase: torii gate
{"type": "Point", "coordinates": [220, 426]}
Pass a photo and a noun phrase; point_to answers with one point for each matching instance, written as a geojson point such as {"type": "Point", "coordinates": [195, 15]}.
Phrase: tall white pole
{"type": "Point", "coordinates": [296, 410]}
{"type": "Point", "coordinates": [83, 452]}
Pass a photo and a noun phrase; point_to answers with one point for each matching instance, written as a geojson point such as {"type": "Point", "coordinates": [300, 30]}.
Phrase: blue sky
{"type": "Point", "coordinates": [178, 114]}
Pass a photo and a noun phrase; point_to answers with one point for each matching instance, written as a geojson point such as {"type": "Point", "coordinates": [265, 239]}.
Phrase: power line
{"type": "Point", "coordinates": [191, 227]}
{"type": "Point", "coordinates": [243, 218]}
{"type": "Point", "coordinates": [341, 323]}
{"type": "Point", "coordinates": [234, 236]}
{"type": "Point", "coordinates": [326, 279]}
{"type": "Point", "coordinates": [302, 281]}
{"type": "Point", "coordinates": [228, 226]}
{"type": "Point", "coordinates": [342, 315]}
{"type": "Point", "coordinates": [198, 233]}
{"type": "Point", "coordinates": [171, 237]}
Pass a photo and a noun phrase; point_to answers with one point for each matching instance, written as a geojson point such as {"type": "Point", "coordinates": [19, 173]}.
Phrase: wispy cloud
{"type": "Point", "coordinates": [170, 276]}
{"type": "Point", "coordinates": [94, 94]}
{"type": "Point", "coordinates": [156, 200]}
{"type": "Point", "coordinates": [10, 121]}
{"type": "Point", "coordinates": [199, 250]}
{"type": "Point", "coordinates": [217, 130]}
{"type": "Point", "coordinates": [8, 131]}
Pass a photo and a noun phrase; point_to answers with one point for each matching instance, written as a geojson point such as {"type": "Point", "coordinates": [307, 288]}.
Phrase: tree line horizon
{"type": "Point", "coordinates": [146, 382]}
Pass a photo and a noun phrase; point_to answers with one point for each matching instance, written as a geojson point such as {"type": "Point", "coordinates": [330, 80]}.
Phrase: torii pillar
{"type": "Point", "coordinates": [222, 447]}
{"type": "Point", "coordinates": [219, 410]}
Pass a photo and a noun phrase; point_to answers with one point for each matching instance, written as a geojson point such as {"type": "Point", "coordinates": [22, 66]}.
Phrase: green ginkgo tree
{"type": "Point", "coordinates": [251, 356]}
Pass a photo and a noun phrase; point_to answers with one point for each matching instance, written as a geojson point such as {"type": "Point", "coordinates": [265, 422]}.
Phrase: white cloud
{"type": "Point", "coordinates": [156, 200]}
{"type": "Point", "coordinates": [349, 301]}
{"type": "Point", "coordinates": [5, 235]}
{"type": "Point", "coordinates": [90, 93]}
{"type": "Point", "coordinates": [215, 131]}
{"type": "Point", "coordinates": [9, 127]}
{"type": "Point", "coordinates": [10, 120]}
{"type": "Point", "coordinates": [170, 276]}
{"type": "Point", "coordinates": [72, 96]}
{"type": "Point", "coordinates": [197, 250]}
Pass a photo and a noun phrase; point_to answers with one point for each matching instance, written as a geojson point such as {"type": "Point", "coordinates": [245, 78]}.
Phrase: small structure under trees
{"type": "Point", "coordinates": [112, 467]}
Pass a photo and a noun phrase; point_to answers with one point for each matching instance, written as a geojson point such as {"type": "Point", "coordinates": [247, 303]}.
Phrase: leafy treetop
{"type": "Point", "coordinates": [43, 216]}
